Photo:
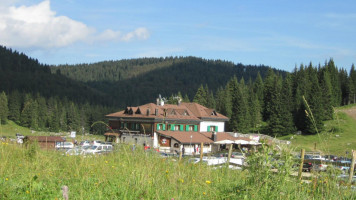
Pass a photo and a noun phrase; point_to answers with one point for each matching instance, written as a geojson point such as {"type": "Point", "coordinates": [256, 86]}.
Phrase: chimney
{"type": "Point", "coordinates": [157, 102]}
{"type": "Point", "coordinates": [156, 112]}
{"type": "Point", "coordinates": [215, 136]}
{"type": "Point", "coordinates": [179, 101]}
{"type": "Point", "coordinates": [148, 111]}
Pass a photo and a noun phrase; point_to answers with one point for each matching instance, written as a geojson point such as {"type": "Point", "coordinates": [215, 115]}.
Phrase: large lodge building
{"type": "Point", "coordinates": [171, 128]}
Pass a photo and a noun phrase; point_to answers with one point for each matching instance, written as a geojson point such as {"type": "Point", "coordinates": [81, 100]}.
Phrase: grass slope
{"type": "Point", "coordinates": [338, 136]}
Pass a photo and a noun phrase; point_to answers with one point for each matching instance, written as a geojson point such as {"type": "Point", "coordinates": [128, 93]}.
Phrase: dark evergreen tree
{"type": "Point", "coordinates": [15, 101]}
{"type": "Point", "coordinates": [352, 83]}
{"type": "Point", "coordinates": [3, 108]}
{"type": "Point", "coordinates": [326, 92]}
{"type": "Point", "coordinates": [201, 96]}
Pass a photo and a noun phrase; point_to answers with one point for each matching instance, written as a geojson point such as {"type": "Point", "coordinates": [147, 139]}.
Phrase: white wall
{"type": "Point", "coordinates": [204, 126]}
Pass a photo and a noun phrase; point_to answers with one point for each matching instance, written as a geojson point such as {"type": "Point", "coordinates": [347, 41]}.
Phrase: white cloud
{"type": "Point", "coordinates": [38, 26]}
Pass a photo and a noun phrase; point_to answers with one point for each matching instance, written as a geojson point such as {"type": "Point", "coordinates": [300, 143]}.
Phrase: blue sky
{"type": "Point", "coordinates": [280, 34]}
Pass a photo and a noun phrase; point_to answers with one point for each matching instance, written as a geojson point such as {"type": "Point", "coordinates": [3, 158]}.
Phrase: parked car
{"type": "Point", "coordinates": [96, 142]}
{"type": "Point", "coordinates": [99, 149]}
{"type": "Point", "coordinates": [307, 166]}
{"type": "Point", "coordinates": [84, 143]}
{"type": "Point", "coordinates": [331, 158]}
{"type": "Point", "coordinates": [74, 152]}
{"type": "Point", "coordinates": [64, 145]}
{"type": "Point", "coordinates": [318, 157]}
{"type": "Point", "coordinates": [320, 167]}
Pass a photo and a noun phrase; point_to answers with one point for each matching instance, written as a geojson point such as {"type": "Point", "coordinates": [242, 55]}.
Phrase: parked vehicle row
{"type": "Point", "coordinates": [85, 148]}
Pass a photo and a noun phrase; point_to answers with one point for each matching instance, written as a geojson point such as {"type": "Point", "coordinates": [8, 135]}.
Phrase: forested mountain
{"type": "Point", "coordinates": [138, 81]}
{"type": "Point", "coordinates": [33, 97]}
{"type": "Point", "coordinates": [255, 98]}
{"type": "Point", "coordinates": [18, 72]}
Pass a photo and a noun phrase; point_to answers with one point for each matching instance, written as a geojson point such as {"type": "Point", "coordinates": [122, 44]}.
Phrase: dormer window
{"type": "Point", "coordinates": [213, 113]}
{"type": "Point", "coordinates": [138, 111]}
{"type": "Point", "coordinates": [185, 113]}
{"type": "Point", "coordinates": [130, 111]}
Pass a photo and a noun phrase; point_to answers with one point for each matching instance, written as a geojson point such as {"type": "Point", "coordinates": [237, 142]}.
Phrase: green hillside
{"type": "Point", "coordinates": [338, 137]}
{"type": "Point", "coordinates": [138, 81]}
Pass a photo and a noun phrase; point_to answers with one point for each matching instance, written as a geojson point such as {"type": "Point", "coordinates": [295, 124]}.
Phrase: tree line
{"type": "Point", "coordinates": [53, 114]}
{"type": "Point", "coordinates": [279, 105]}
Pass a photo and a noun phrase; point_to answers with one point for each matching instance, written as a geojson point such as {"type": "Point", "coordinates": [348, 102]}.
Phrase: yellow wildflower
{"type": "Point", "coordinates": [28, 192]}
{"type": "Point", "coordinates": [207, 182]}
{"type": "Point", "coordinates": [204, 193]}
{"type": "Point", "coordinates": [6, 179]}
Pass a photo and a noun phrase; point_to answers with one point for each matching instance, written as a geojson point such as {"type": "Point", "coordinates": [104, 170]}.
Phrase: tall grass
{"type": "Point", "coordinates": [32, 173]}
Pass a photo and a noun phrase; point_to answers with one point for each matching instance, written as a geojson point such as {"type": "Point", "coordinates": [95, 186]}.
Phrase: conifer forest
{"type": "Point", "coordinates": [255, 98]}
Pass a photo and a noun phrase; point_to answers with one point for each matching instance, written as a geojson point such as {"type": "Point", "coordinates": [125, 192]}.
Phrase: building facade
{"type": "Point", "coordinates": [169, 127]}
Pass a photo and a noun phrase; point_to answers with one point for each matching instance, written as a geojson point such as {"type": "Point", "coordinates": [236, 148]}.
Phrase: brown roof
{"type": "Point", "coordinates": [112, 134]}
{"type": "Point", "coordinates": [220, 136]}
{"type": "Point", "coordinates": [184, 137]}
{"type": "Point", "coordinates": [189, 111]}
{"type": "Point", "coordinates": [45, 138]}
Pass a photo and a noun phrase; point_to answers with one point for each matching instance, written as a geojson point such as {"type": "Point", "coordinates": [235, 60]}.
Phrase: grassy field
{"type": "Point", "coordinates": [338, 136]}
{"type": "Point", "coordinates": [31, 173]}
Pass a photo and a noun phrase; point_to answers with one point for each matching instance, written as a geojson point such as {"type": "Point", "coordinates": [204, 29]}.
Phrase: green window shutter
{"type": "Point", "coordinates": [181, 127]}
{"type": "Point", "coordinates": [164, 127]}
{"type": "Point", "coordinates": [195, 127]}
{"type": "Point", "coordinates": [186, 127]}
{"type": "Point", "coordinates": [216, 128]}
{"type": "Point", "coordinates": [132, 126]}
{"type": "Point", "coordinates": [157, 127]}
{"type": "Point", "coordinates": [122, 125]}
{"type": "Point", "coordinates": [172, 127]}
{"type": "Point", "coordinates": [125, 125]}
{"type": "Point", "coordinates": [208, 129]}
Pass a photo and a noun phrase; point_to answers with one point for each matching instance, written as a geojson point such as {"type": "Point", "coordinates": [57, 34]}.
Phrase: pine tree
{"type": "Point", "coordinates": [258, 88]}
{"type": "Point", "coordinates": [186, 99]}
{"type": "Point", "coordinates": [335, 83]}
{"type": "Point", "coordinates": [287, 106]}
{"type": "Point", "coordinates": [326, 92]}
{"type": "Point", "coordinates": [201, 96]}
{"type": "Point", "coordinates": [269, 89]}
{"type": "Point", "coordinates": [15, 100]}
{"type": "Point", "coordinates": [3, 108]}
{"type": "Point", "coordinates": [314, 110]}
{"type": "Point", "coordinates": [352, 81]}
{"type": "Point", "coordinates": [240, 118]}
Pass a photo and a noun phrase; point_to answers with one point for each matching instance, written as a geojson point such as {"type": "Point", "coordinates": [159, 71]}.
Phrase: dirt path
{"type": "Point", "coordinates": [351, 112]}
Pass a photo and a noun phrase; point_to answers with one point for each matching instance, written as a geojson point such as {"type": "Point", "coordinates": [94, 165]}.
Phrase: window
{"type": "Point", "coordinates": [212, 128]}
{"type": "Point", "coordinates": [176, 127]}
{"type": "Point", "coordinates": [161, 127]}
{"type": "Point", "coordinates": [176, 145]}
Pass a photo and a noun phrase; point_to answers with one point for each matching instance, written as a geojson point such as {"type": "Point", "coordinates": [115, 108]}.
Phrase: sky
{"type": "Point", "coordinates": [277, 33]}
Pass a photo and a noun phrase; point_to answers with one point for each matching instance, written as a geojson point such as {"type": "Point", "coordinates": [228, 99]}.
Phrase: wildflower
{"type": "Point", "coordinates": [204, 193]}
{"type": "Point", "coordinates": [207, 182]}
{"type": "Point", "coordinates": [181, 180]}
{"type": "Point", "coordinates": [6, 179]}
{"type": "Point", "coordinates": [113, 166]}
{"type": "Point", "coordinates": [28, 192]}
{"type": "Point", "coordinates": [167, 171]}
{"type": "Point", "coordinates": [237, 190]}
{"type": "Point", "coordinates": [193, 180]}
{"type": "Point", "coordinates": [106, 161]}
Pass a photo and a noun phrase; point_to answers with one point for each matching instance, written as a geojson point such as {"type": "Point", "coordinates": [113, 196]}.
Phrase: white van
{"type": "Point", "coordinates": [98, 149]}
